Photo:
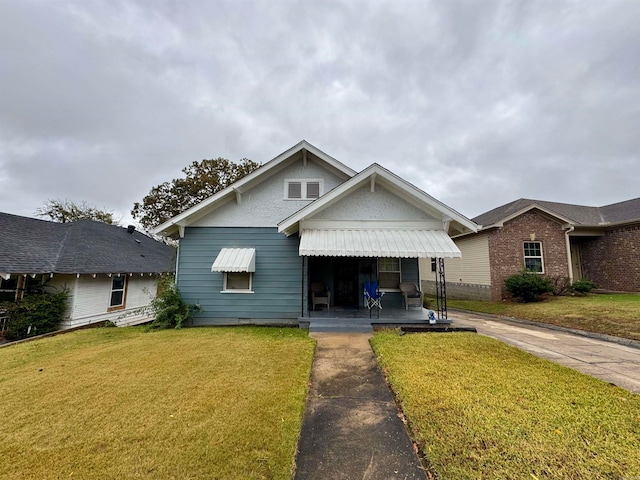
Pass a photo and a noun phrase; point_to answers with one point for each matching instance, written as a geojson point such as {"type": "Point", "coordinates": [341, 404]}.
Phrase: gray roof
{"type": "Point", "coordinates": [28, 245]}
{"type": "Point", "coordinates": [626, 211]}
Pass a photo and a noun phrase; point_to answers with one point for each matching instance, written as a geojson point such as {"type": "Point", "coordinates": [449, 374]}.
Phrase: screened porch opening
{"type": "Point", "coordinates": [345, 277]}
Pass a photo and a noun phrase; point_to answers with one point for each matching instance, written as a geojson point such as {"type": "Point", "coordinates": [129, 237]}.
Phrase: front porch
{"type": "Point", "coordinates": [354, 319]}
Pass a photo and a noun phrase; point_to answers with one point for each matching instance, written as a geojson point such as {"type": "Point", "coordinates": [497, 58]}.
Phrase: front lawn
{"type": "Point", "coordinates": [220, 403]}
{"type": "Point", "coordinates": [613, 314]}
{"type": "Point", "coordinates": [483, 409]}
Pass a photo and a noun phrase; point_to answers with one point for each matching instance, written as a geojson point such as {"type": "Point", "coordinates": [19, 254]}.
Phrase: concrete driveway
{"type": "Point", "coordinates": [608, 361]}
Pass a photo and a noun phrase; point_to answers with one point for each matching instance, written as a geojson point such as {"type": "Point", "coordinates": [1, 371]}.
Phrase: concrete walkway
{"type": "Point", "coordinates": [608, 361]}
{"type": "Point", "coordinates": [351, 427]}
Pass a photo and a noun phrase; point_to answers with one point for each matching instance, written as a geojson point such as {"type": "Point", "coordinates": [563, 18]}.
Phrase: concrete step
{"type": "Point", "coordinates": [342, 328]}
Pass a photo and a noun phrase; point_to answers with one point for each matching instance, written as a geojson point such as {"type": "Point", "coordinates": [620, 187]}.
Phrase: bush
{"type": "Point", "coordinates": [168, 307]}
{"type": "Point", "coordinates": [528, 286]}
{"type": "Point", "coordinates": [561, 285]}
{"type": "Point", "coordinates": [37, 313]}
{"type": "Point", "coordinates": [583, 286]}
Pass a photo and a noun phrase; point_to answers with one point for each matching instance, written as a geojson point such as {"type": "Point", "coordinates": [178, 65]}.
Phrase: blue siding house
{"type": "Point", "coordinates": [251, 252]}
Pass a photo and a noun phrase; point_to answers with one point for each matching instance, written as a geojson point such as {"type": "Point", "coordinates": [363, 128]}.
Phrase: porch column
{"type": "Point", "coordinates": [305, 286]}
{"type": "Point", "coordinates": [441, 290]}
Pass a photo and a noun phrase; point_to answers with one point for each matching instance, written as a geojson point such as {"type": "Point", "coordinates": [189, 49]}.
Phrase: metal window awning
{"type": "Point", "coordinates": [235, 260]}
{"type": "Point", "coordinates": [371, 242]}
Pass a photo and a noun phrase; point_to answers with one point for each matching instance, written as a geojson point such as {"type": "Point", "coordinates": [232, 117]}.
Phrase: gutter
{"type": "Point", "coordinates": [568, 245]}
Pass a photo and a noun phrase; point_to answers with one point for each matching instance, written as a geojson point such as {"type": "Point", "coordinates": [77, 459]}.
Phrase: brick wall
{"type": "Point", "coordinates": [506, 248]}
{"type": "Point", "coordinates": [613, 261]}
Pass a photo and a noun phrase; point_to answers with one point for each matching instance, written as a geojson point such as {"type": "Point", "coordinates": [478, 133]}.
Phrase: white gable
{"type": "Point", "coordinates": [264, 205]}
{"type": "Point", "coordinates": [383, 186]}
{"type": "Point", "coordinates": [381, 204]}
{"type": "Point", "coordinates": [302, 152]}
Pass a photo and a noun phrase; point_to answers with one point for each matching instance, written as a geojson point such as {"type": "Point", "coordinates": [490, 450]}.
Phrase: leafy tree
{"type": "Point", "coordinates": [202, 179]}
{"type": "Point", "coordinates": [64, 211]}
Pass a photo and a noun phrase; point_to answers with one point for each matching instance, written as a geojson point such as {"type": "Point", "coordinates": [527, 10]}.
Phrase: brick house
{"type": "Point", "coordinates": [601, 244]}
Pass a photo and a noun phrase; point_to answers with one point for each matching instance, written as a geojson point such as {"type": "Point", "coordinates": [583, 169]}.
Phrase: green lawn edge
{"type": "Point", "coordinates": [121, 403]}
{"type": "Point", "coordinates": [479, 408]}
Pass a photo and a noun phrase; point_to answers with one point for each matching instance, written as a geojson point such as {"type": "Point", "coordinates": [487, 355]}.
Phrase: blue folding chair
{"type": "Point", "coordinates": [372, 296]}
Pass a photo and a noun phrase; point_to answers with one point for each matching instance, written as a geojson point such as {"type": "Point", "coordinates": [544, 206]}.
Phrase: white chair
{"type": "Point", "coordinates": [320, 295]}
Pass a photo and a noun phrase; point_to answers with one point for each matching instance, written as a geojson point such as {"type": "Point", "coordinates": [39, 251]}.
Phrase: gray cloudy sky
{"type": "Point", "coordinates": [476, 102]}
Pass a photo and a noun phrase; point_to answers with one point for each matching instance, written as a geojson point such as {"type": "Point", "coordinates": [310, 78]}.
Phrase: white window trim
{"type": "Point", "coordinates": [123, 290]}
{"type": "Point", "coordinates": [303, 184]}
{"type": "Point", "coordinates": [236, 290]}
{"type": "Point", "coordinates": [392, 271]}
{"type": "Point", "coordinates": [541, 257]}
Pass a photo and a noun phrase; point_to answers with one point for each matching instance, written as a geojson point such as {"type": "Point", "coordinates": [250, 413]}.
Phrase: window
{"type": "Point", "coordinates": [8, 289]}
{"type": "Point", "coordinates": [434, 265]}
{"type": "Point", "coordinates": [237, 282]}
{"type": "Point", "coordinates": [533, 257]}
{"type": "Point", "coordinates": [118, 285]}
{"type": "Point", "coordinates": [295, 189]}
{"type": "Point", "coordinates": [14, 289]}
{"type": "Point", "coordinates": [313, 189]}
{"type": "Point", "coordinates": [389, 273]}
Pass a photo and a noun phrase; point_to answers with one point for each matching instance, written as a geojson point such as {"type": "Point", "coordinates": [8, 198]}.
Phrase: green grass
{"type": "Point", "coordinates": [117, 403]}
{"type": "Point", "coordinates": [481, 409]}
{"type": "Point", "coordinates": [613, 314]}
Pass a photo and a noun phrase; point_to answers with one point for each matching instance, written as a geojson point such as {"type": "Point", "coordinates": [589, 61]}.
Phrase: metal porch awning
{"type": "Point", "coordinates": [235, 260]}
{"type": "Point", "coordinates": [371, 242]}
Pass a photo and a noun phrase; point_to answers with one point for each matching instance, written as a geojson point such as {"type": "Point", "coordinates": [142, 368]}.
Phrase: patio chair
{"type": "Point", "coordinates": [320, 295]}
{"type": "Point", "coordinates": [373, 297]}
{"type": "Point", "coordinates": [412, 295]}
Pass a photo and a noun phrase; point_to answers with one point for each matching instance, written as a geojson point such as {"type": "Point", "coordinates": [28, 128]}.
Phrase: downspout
{"type": "Point", "coordinates": [568, 245]}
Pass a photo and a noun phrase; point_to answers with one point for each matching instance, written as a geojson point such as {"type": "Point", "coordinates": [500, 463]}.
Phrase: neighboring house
{"type": "Point", "coordinates": [108, 270]}
{"type": "Point", "coordinates": [249, 253]}
{"type": "Point", "coordinates": [601, 244]}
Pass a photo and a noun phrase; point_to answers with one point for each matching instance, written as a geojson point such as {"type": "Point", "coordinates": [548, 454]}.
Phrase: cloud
{"type": "Point", "coordinates": [477, 103]}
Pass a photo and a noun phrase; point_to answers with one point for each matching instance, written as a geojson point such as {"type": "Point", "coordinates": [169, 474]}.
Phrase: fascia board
{"type": "Point", "coordinates": [341, 167]}
{"type": "Point", "coordinates": [182, 219]}
{"type": "Point", "coordinates": [415, 193]}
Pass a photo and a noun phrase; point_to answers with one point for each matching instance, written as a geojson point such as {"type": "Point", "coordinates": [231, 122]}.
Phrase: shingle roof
{"type": "Point", "coordinates": [576, 214]}
{"type": "Point", "coordinates": [28, 245]}
{"type": "Point", "coordinates": [622, 211]}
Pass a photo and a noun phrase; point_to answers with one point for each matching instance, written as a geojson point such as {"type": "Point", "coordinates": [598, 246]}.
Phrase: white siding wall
{"type": "Point", "coordinates": [69, 282]}
{"type": "Point", "coordinates": [472, 268]}
{"type": "Point", "coordinates": [366, 205]}
{"type": "Point", "coordinates": [90, 297]}
{"type": "Point", "coordinates": [264, 205]}
{"type": "Point", "coordinates": [140, 291]}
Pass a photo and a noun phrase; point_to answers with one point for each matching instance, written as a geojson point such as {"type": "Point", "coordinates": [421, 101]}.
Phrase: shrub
{"type": "Point", "coordinates": [561, 285]}
{"type": "Point", "coordinates": [168, 307]}
{"type": "Point", "coordinates": [38, 312]}
{"type": "Point", "coordinates": [583, 286]}
{"type": "Point", "coordinates": [528, 286]}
